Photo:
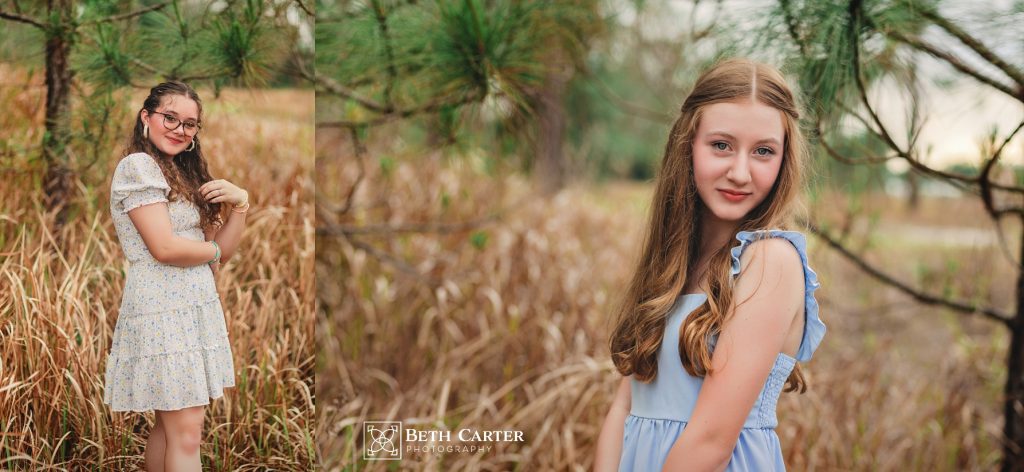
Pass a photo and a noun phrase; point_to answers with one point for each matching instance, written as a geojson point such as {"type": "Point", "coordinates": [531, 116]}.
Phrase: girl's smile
{"type": "Point", "coordinates": [734, 196]}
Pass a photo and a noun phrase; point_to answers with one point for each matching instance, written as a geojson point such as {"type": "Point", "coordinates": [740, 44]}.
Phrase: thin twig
{"type": "Point", "coordinates": [402, 266]}
{"type": "Point", "coordinates": [954, 61]}
{"type": "Point", "coordinates": [399, 114]}
{"type": "Point", "coordinates": [975, 45]}
{"type": "Point", "coordinates": [429, 227]}
{"type": "Point", "coordinates": [883, 133]}
{"type": "Point", "coordinates": [21, 19]}
{"type": "Point", "coordinates": [304, 8]}
{"type": "Point", "coordinates": [360, 152]}
{"type": "Point", "coordinates": [126, 16]}
{"type": "Point", "coordinates": [326, 84]}
{"type": "Point", "coordinates": [985, 179]}
{"type": "Point", "coordinates": [382, 23]}
{"type": "Point", "coordinates": [918, 295]}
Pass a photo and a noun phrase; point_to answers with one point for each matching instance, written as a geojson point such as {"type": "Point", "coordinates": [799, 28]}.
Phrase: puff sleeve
{"type": "Point", "coordinates": [814, 328]}
{"type": "Point", "coordinates": [137, 181]}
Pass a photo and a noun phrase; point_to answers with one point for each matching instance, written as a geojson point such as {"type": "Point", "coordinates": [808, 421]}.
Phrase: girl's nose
{"type": "Point", "coordinates": [739, 171]}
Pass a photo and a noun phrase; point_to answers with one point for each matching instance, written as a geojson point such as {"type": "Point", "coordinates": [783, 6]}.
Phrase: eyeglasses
{"type": "Point", "coordinates": [172, 123]}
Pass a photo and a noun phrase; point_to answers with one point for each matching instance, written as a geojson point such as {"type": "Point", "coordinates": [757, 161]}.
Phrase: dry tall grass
{"type": "Point", "coordinates": [60, 293]}
{"type": "Point", "coordinates": [505, 326]}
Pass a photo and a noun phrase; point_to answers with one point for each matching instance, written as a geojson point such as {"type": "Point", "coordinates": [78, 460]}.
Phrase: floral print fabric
{"type": "Point", "coordinates": [170, 348]}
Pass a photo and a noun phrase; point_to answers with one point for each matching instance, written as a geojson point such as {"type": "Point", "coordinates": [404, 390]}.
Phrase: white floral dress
{"type": "Point", "coordinates": [170, 348]}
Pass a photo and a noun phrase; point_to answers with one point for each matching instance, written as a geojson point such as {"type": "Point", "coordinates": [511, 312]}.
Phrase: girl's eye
{"type": "Point", "coordinates": [764, 151]}
{"type": "Point", "coordinates": [719, 145]}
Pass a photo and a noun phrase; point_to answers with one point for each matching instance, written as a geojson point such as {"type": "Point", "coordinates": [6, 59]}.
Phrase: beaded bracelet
{"type": "Point", "coordinates": [216, 257]}
{"type": "Point", "coordinates": [244, 207]}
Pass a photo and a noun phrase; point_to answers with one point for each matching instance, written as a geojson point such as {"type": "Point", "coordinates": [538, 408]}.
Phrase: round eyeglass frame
{"type": "Point", "coordinates": [180, 124]}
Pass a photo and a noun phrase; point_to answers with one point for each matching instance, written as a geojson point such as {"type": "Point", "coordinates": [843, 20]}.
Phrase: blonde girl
{"type": "Point", "coordinates": [720, 309]}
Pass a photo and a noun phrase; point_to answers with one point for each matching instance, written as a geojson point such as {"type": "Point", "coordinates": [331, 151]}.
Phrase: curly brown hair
{"type": "Point", "coordinates": [673, 234]}
{"type": "Point", "coordinates": [186, 171]}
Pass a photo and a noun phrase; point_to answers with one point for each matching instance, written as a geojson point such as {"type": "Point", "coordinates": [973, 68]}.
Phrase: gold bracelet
{"type": "Point", "coordinates": [244, 207]}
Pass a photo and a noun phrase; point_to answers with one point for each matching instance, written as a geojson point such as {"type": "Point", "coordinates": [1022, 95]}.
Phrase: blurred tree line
{"type": "Point", "coordinates": [563, 89]}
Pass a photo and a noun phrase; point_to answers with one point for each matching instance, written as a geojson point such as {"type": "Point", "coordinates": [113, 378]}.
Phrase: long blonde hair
{"type": "Point", "coordinates": [673, 235]}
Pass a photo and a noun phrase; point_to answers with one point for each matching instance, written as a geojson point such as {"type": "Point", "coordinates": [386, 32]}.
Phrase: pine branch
{"type": "Point", "coordinates": [126, 16]}
{"type": "Point", "coordinates": [920, 296]}
{"type": "Point", "coordinates": [21, 19]}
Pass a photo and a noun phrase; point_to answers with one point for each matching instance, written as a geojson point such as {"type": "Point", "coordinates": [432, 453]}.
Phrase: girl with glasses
{"type": "Point", "coordinates": [170, 350]}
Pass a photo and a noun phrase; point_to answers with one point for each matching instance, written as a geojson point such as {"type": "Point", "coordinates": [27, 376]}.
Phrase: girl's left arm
{"type": "Point", "coordinates": [767, 296]}
{"type": "Point", "coordinates": [229, 235]}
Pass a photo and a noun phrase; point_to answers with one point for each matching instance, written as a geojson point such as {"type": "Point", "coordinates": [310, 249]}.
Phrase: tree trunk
{"type": "Point", "coordinates": [914, 191]}
{"type": "Point", "coordinates": [1013, 408]}
{"type": "Point", "coordinates": [57, 181]}
{"type": "Point", "coordinates": [550, 166]}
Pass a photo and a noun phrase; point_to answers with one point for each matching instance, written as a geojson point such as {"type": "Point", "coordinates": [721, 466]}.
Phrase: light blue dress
{"type": "Point", "coordinates": [660, 409]}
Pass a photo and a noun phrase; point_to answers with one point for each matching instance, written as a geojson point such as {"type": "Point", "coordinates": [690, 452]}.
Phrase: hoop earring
{"type": "Point", "coordinates": [145, 130]}
{"type": "Point", "coordinates": [191, 146]}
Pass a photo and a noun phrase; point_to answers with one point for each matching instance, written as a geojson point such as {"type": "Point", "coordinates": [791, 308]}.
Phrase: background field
{"type": "Point", "coordinates": [504, 325]}
{"type": "Point", "coordinates": [60, 292]}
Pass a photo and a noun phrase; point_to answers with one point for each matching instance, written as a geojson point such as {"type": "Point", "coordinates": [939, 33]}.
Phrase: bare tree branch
{"type": "Point", "coordinates": [975, 45]}
{"type": "Point", "coordinates": [985, 182]}
{"type": "Point", "coordinates": [382, 23]}
{"type": "Point", "coordinates": [328, 85]}
{"type": "Point", "coordinates": [429, 227]}
{"type": "Point", "coordinates": [399, 114]}
{"type": "Point", "coordinates": [639, 111]}
{"type": "Point", "coordinates": [883, 133]}
{"type": "Point", "coordinates": [21, 19]}
{"type": "Point", "coordinates": [302, 5]}
{"type": "Point", "coordinates": [146, 67]}
{"type": "Point", "coordinates": [129, 15]}
{"type": "Point", "coordinates": [847, 160]}
{"type": "Point", "coordinates": [360, 152]}
{"type": "Point", "coordinates": [954, 61]}
{"type": "Point", "coordinates": [962, 307]}
{"type": "Point", "coordinates": [397, 263]}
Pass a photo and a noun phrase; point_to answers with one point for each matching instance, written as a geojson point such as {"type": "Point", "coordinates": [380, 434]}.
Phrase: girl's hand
{"type": "Point", "coordinates": [215, 268]}
{"type": "Point", "coordinates": [222, 191]}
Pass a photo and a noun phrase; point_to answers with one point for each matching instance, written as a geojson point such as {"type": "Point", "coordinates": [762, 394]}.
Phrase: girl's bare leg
{"type": "Point", "coordinates": [184, 431]}
{"type": "Point", "coordinates": [156, 445]}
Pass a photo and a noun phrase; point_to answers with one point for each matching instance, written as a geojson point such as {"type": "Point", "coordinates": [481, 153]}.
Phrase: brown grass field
{"type": "Point", "coordinates": [59, 293]}
{"type": "Point", "coordinates": [505, 325]}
